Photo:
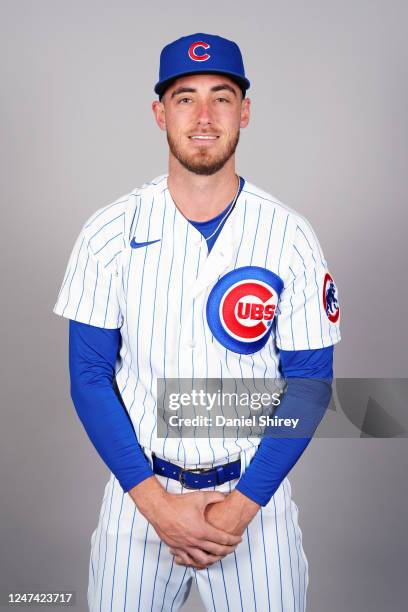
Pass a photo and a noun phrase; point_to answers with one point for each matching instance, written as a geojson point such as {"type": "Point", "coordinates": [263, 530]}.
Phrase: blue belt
{"type": "Point", "coordinates": [199, 478]}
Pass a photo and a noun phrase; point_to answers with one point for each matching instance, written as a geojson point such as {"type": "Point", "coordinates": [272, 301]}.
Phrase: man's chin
{"type": "Point", "coordinates": [205, 170]}
{"type": "Point", "coordinates": [204, 162]}
{"type": "Point", "coordinates": [204, 166]}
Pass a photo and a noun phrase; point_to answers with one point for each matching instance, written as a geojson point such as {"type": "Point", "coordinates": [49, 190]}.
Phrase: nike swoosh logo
{"type": "Point", "coordinates": [138, 245]}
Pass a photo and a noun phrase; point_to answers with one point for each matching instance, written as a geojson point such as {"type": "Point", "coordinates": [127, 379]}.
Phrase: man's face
{"type": "Point", "coordinates": [202, 115]}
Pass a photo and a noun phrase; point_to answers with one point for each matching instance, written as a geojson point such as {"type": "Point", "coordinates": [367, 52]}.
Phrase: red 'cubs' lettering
{"type": "Point", "coordinates": [234, 310]}
{"type": "Point", "coordinates": [255, 312]}
{"type": "Point", "coordinates": [269, 312]}
{"type": "Point", "coordinates": [244, 310]}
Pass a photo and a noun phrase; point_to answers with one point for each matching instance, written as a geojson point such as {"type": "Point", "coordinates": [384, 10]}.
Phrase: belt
{"type": "Point", "coordinates": [199, 478]}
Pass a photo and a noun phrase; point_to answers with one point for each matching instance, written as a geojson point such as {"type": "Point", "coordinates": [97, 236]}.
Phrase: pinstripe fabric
{"type": "Point", "coordinates": [157, 296]}
{"type": "Point", "coordinates": [130, 569]}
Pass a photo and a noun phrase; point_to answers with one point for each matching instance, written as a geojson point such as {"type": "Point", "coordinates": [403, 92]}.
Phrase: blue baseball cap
{"type": "Point", "coordinates": [197, 54]}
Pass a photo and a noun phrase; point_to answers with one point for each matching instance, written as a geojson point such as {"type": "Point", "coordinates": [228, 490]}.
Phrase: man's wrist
{"type": "Point", "coordinates": [243, 501]}
{"type": "Point", "coordinates": [256, 497]}
{"type": "Point", "coordinates": [148, 496]}
{"type": "Point", "coordinates": [242, 506]}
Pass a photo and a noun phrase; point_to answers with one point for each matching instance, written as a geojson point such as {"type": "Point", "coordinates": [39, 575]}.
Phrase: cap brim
{"type": "Point", "coordinates": [161, 86]}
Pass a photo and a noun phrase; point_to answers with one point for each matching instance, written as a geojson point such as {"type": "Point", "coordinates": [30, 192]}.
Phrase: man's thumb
{"type": "Point", "coordinates": [212, 497]}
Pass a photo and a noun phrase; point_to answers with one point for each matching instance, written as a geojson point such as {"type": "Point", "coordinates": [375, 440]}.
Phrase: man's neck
{"type": "Point", "coordinates": [200, 197]}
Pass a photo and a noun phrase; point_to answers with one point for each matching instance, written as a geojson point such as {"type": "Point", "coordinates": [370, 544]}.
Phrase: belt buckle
{"type": "Point", "coordinates": [196, 471]}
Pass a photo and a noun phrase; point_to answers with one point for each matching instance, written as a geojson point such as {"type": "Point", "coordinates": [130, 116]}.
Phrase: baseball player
{"type": "Point", "coordinates": [197, 274]}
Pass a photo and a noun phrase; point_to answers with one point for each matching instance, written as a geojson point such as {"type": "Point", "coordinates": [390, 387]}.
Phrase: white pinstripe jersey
{"type": "Point", "coordinates": [157, 296]}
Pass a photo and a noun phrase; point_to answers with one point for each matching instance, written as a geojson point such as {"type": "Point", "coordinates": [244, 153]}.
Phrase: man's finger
{"type": "Point", "coordinates": [202, 558]}
{"type": "Point", "coordinates": [221, 537]}
{"type": "Point", "coordinates": [195, 557]}
{"type": "Point", "coordinates": [216, 549]}
{"type": "Point", "coordinates": [182, 559]}
{"type": "Point", "coordinates": [209, 548]}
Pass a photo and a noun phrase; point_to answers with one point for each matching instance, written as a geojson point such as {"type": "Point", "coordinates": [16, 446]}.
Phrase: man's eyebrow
{"type": "Point", "coordinates": [181, 90]}
{"type": "Point", "coordinates": [224, 86]}
{"type": "Point", "coordinates": [219, 87]}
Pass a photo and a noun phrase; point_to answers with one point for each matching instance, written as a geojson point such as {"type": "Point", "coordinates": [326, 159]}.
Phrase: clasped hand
{"type": "Point", "coordinates": [183, 525]}
{"type": "Point", "coordinates": [199, 527]}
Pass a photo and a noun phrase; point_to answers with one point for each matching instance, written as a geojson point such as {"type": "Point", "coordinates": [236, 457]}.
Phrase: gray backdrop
{"type": "Point", "coordinates": [327, 137]}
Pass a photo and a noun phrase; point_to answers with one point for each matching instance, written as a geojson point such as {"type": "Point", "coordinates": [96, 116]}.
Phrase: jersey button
{"type": "Point", "coordinates": [191, 344]}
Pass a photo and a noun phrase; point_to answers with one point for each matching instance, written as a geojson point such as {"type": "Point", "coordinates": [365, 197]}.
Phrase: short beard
{"type": "Point", "coordinates": [204, 166]}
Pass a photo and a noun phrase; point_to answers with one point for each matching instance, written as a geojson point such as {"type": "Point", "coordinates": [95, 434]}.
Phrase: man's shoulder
{"type": "Point", "coordinates": [122, 206]}
{"type": "Point", "coordinates": [266, 199]}
{"type": "Point", "coordinates": [253, 193]}
{"type": "Point", "coordinates": [107, 231]}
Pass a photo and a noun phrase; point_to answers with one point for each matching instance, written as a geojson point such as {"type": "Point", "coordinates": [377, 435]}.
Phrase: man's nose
{"type": "Point", "coordinates": [204, 113]}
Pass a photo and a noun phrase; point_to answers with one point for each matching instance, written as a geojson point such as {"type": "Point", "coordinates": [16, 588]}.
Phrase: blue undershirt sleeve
{"type": "Point", "coordinates": [308, 375]}
{"type": "Point", "coordinates": [92, 357]}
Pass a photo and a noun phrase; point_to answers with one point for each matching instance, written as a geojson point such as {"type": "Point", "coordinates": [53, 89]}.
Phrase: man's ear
{"type": "Point", "coordinates": [245, 112]}
{"type": "Point", "coordinates": [159, 114]}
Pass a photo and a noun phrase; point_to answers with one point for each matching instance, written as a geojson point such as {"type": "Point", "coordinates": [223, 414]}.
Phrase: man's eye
{"type": "Point", "coordinates": [223, 99]}
{"type": "Point", "coordinates": [184, 100]}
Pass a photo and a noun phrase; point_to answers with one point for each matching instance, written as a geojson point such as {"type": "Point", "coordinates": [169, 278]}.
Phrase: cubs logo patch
{"type": "Point", "coordinates": [202, 57]}
{"type": "Point", "coordinates": [241, 308]}
{"type": "Point", "coordinates": [330, 300]}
